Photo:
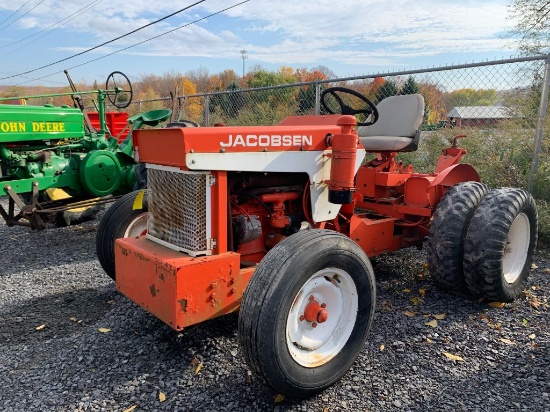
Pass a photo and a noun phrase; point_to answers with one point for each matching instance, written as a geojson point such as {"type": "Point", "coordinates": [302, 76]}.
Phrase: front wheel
{"type": "Point", "coordinates": [500, 243]}
{"type": "Point", "coordinates": [307, 311]}
{"type": "Point", "coordinates": [127, 217]}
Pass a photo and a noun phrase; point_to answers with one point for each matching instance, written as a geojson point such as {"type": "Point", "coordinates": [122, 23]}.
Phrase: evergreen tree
{"type": "Point", "coordinates": [389, 88]}
{"type": "Point", "coordinates": [410, 87]}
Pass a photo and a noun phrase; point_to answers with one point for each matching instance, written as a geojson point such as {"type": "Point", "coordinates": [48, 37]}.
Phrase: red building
{"type": "Point", "coordinates": [477, 116]}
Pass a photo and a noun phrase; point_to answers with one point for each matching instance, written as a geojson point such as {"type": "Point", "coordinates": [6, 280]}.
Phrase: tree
{"type": "Point", "coordinates": [410, 87]}
{"type": "Point", "coordinates": [387, 89]}
{"type": "Point", "coordinates": [193, 106]}
{"type": "Point", "coordinates": [472, 97]}
{"type": "Point", "coordinates": [434, 100]}
{"type": "Point", "coordinates": [532, 29]}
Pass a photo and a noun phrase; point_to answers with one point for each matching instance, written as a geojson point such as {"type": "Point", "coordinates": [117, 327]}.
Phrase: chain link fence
{"type": "Point", "coordinates": [499, 105]}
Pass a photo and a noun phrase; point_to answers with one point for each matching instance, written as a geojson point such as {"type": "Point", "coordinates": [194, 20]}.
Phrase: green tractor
{"type": "Point", "coordinates": [60, 164]}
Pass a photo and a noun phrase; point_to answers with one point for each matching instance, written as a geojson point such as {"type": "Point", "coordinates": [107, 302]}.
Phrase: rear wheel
{"type": "Point", "coordinates": [127, 217]}
{"type": "Point", "coordinates": [500, 244]}
{"type": "Point", "coordinates": [306, 312]}
{"type": "Point", "coordinates": [445, 245]}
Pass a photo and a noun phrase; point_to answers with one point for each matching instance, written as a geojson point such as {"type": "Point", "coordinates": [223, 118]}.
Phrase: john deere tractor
{"type": "Point", "coordinates": [59, 164]}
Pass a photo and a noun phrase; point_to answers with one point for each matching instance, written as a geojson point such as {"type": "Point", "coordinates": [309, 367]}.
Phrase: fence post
{"type": "Point", "coordinates": [207, 110]}
{"type": "Point", "coordinates": [317, 97]}
{"type": "Point", "coordinates": [540, 123]}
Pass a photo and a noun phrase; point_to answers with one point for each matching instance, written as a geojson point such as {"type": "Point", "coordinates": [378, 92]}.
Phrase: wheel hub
{"type": "Point", "coordinates": [313, 337]}
{"type": "Point", "coordinates": [314, 312]}
{"type": "Point", "coordinates": [517, 247]}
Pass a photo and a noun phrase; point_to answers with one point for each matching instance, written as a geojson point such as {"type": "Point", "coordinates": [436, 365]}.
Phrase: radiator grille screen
{"type": "Point", "coordinates": [178, 209]}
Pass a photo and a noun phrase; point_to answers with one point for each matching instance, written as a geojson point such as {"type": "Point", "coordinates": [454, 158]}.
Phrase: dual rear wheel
{"type": "Point", "coordinates": [483, 241]}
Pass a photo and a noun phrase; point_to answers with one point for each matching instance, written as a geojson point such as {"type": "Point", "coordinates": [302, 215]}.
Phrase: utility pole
{"type": "Point", "coordinates": [244, 56]}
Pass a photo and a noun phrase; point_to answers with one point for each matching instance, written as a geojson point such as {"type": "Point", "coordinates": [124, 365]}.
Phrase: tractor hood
{"type": "Point", "coordinates": [39, 123]}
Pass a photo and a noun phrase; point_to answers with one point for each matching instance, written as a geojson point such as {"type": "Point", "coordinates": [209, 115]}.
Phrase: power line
{"type": "Point", "coordinates": [24, 14]}
{"type": "Point", "coordinates": [105, 43]}
{"type": "Point", "coordinates": [9, 17]}
{"type": "Point", "coordinates": [33, 79]}
{"type": "Point", "coordinates": [141, 42]}
{"type": "Point", "coordinates": [58, 24]}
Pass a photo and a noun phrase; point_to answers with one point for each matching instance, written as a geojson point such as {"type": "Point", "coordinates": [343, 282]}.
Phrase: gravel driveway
{"type": "Point", "coordinates": [69, 342]}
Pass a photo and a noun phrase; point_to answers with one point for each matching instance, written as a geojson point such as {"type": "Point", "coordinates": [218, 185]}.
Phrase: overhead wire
{"type": "Point", "coordinates": [23, 15]}
{"type": "Point", "coordinates": [141, 42]}
{"type": "Point", "coordinates": [104, 43]}
{"type": "Point", "coordinates": [9, 17]}
{"type": "Point", "coordinates": [59, 23]}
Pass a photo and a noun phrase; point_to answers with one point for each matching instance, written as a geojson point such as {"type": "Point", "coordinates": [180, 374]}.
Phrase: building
{"type": "Point", "coordinates": [477, 116]}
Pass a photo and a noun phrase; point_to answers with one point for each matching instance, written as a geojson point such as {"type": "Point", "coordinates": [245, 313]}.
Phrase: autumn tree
{"type": "Point", "coordinates": [434, 100]}
{"type": "Point", "coordinates": [306, 94]}
{"type": "Point", "coordinates": [161, 85]}
{"type": "Point", "coordinates": [203, 81]}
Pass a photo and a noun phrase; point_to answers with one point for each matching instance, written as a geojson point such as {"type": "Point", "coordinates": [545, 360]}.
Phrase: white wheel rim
{"type": "Point", "coordinates": [137, 227]}
{"type": "Point", "coordinates": [314, 345]}
{"type": "Point", "coordinates": [517, 245]}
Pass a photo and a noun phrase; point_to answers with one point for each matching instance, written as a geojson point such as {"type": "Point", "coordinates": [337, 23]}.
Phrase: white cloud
{"type": "Point", "coordinates": [352, 32]}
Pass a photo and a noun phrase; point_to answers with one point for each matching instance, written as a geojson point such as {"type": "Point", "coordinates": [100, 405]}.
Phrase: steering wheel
{"type": "Point", "coordinates": [345, 109]}
{"type": "Point", "coordinates": [119, 90]}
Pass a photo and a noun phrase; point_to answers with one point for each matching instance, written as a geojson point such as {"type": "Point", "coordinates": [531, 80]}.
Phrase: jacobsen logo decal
{"type": "Point", "coordinates": [266, 140]}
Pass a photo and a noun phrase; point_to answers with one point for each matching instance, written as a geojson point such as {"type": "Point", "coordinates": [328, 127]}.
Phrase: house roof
{"type": "Point", "coordinates": [480, 112]}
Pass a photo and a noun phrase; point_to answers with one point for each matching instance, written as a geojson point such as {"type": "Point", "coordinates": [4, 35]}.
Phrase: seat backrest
{"type": "Point", "coordinates": [396, 130]}
{"type": "Point", "coordinates": [399, 116]}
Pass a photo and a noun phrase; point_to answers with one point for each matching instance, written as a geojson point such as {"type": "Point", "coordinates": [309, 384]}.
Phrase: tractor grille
{"type": "Point", "coordinates": [178, 208]}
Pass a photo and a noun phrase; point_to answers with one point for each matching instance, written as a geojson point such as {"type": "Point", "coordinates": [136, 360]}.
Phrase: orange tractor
{"type": "Point", "coordinates": [279, 222]}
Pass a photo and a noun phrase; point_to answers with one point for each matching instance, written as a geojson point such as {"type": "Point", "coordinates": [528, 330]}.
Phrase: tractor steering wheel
{"type": "Point", "coordinates": [119, 90]}
{"type": "Point", "coordinates": [345, 109]}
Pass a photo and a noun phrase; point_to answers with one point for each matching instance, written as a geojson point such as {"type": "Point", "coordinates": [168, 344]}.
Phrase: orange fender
{"type": "Point", "coordinates": [449, 177]}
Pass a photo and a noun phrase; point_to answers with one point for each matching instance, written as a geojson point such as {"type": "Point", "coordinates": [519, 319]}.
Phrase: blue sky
{"type": "Point", "coordinates": [349, 37]}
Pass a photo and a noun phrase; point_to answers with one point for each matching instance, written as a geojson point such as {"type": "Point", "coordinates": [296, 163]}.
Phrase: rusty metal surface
{"type": "Point", "coordinates": [178, 289]}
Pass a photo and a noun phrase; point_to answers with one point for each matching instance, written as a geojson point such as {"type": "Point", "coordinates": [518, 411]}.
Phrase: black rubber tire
{"type": "Point", "coordinates": [273, 290]}
{"type": "Point", "coordinates": [487, 243]}
{"type": "Point", "coordinates": [445, 245]}
{"type": "Point", "coordinates": [113, 225]}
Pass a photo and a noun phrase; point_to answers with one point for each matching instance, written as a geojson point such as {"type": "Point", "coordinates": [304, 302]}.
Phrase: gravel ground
{"type": "Point", "coordinates": [52, 278]}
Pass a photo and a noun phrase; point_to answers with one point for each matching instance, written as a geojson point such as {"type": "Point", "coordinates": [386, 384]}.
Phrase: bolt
{"type": "Point", "coordinates": [314, 325]}
{"type": "Point", "coordinates": [302, 318]}
{"type": "Point", "coordinates": [213, 296]}
{"type": "Point", "coordinates": [311, 298]}
{"type": "Point", "coordinates": [323, 305]}
{"type": "Point", "coordinates": [322, 316]}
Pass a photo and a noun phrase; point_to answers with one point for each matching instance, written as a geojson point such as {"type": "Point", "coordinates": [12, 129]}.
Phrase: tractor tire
{"type": "Point", "coordinates": [122, 219]}
{"type": "Point", "coordinates": [298, 356]}
{"type": "Point", "coordinates": [445, 245]}
{"type": "Point", "coordinates": [500, 244]}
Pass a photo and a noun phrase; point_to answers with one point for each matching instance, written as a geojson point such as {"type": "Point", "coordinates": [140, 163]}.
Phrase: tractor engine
{"type": "Point", "coordinates": [264, 210]}
{"type": "Point", "coordinates": [261, 210]}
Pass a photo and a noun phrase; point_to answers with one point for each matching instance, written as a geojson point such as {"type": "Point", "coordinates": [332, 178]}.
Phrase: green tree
{"type": "Point", "coordinates": [472, 97]}
{"type": "Point", "coordinates": [389, 88]}
{"type": "Point", "coordinates": [410, 87]}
